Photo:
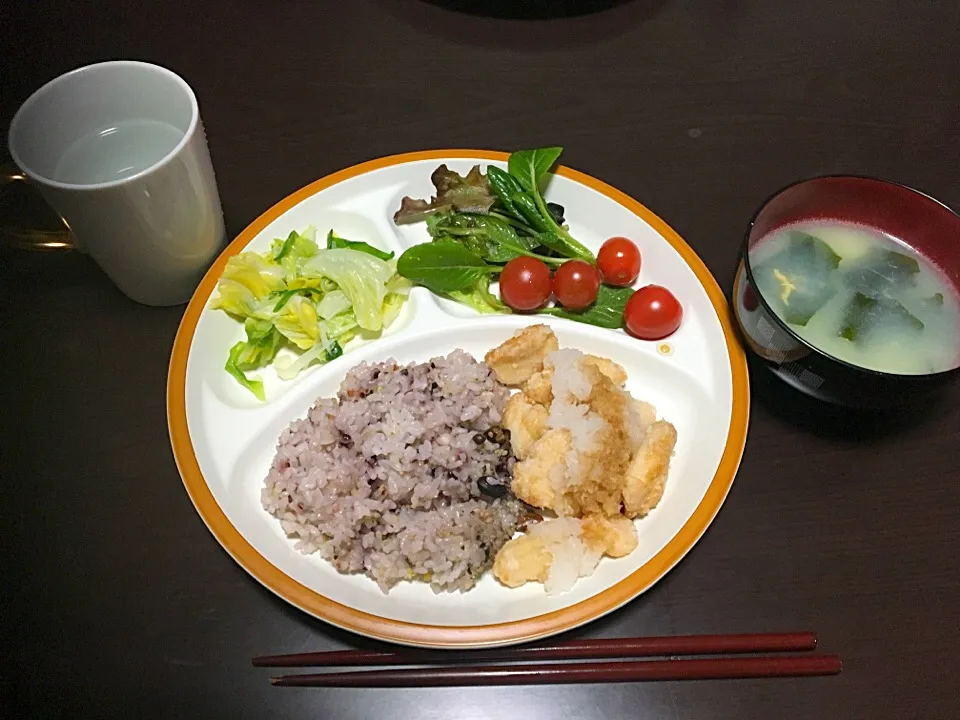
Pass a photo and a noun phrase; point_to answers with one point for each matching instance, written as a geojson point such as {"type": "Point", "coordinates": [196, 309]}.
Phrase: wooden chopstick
{"type": "Point", "coordinates": [607, 672]}
{"type": "Point", "coordinates": [573, 650]}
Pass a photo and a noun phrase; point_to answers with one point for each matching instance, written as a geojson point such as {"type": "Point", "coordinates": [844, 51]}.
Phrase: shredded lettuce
{"type": "Point", "coordinates": [333, 303]}
{"type": "Point", "coordinates": [247, 279]}
{"type": "Point", "coordinates": [362, 277]}
{"type": "Point", "coordinates": [314, 354]}
{"type": "Point", "coordinates": [308, 299]}
{"type": "Point", "coordinates": [263, 342]}
{"type": "Point", "coordinates": [392, 305]}
{"type": "Point", "coordinates": [335, 241]}
{"type": "Point", "coordinates": [232, 367]}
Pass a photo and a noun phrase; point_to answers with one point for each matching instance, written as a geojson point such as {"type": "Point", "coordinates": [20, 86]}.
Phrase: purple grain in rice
{"type": "Point", "coordinates": [383, 479]}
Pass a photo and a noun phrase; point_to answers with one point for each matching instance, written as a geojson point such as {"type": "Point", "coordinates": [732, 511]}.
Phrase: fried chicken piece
{"type": "Point", "coordinates": [521, 560]}
{"type": "Point", "coordinates": [647, 474]}
{"type": "Point", "coordinates": [539, 388]}
{"type": "Point", "coordinates": [645, 412]}
{"type": "Point", "coordinates": [583, 473]}
{"type": "Point", "coordinates": [605, 450]}
{"type": "Point", "coordinates": [526, 421]}
{"type": "Point", "coordinates": [640, 416]}
{"type": "Point", "coordinates": [517, 359]}
{"type": "Point", "coordinates": [615, 536]}
{"type": "Point", "coordinates": [596, 483]}
{"type": "Point", "coordinates": [558, 552]}
{"type": "Point", "coordinates": [608, 367]}
{"type": "Point", "coordinates": [534, 479]}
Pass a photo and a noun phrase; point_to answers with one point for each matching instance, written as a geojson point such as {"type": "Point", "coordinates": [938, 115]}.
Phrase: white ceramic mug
{"type": "Point", "coordinates": [118, 150]}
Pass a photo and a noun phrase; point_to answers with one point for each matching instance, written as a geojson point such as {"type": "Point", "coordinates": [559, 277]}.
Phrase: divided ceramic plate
{"type": "Point", "coordinates": [224, 439]}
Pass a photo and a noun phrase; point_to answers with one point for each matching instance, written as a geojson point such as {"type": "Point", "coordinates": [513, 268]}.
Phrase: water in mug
{"type": "Point", "coordinates": [117, 152]}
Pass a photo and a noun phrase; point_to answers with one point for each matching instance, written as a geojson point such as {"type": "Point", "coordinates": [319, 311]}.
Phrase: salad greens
{"type": "Point", "coordinates": [455, 193]}
{"type": "Point", "coordinates": [500, 215]}
{"type": "Point", "coordinates": [529, 167]}
{"type": "Point", "coordinates": [478, 223]}
{"type": "Point", "coordinates": [489, 236]}
{"type": "Point", "coordinates": [443, 265]}
{"type": "Point", "coordinates": [479, 297]}
{"type": "Point", "coordinates": [606, 311]}
{"type": "Point", "coordinates": [308, 299]}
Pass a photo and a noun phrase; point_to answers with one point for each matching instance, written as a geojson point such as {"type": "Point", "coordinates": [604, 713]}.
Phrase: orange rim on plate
{"type": "Point", "coordinates": [469, 635]}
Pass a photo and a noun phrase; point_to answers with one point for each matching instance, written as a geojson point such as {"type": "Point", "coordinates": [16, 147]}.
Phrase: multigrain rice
{"type": "Point", "coordinates": [403, 476]}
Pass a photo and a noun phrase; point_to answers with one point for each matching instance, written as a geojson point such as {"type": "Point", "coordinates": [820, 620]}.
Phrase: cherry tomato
{"type": "Point", "coordinates": [652, 313]}
{"type": "Point", "coordinates": [619, 262]}
{"type": "Point", "coordinates": [575, 283]}
{"type": "Point", "coordinates": [525, 283]}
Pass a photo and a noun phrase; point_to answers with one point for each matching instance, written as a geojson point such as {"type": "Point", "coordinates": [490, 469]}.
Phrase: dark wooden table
{"type": "Point", "coordinates": [117, 600]}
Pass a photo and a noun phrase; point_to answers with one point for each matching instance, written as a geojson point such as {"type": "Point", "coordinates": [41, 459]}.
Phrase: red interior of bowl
{"type": "Point", "coordinates": [921, 222]}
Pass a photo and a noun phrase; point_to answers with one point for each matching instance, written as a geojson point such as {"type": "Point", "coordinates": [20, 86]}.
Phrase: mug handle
{"type": "Point", "coordinates": [29, 238]}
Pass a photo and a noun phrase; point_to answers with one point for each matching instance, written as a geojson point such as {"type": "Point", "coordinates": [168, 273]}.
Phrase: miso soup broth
{"type": "Point", "coordinates": [860, 296]}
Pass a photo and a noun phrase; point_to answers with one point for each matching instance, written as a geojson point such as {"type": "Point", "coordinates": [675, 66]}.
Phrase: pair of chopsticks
{"type": "Point", "coordinates": [609, 670]}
